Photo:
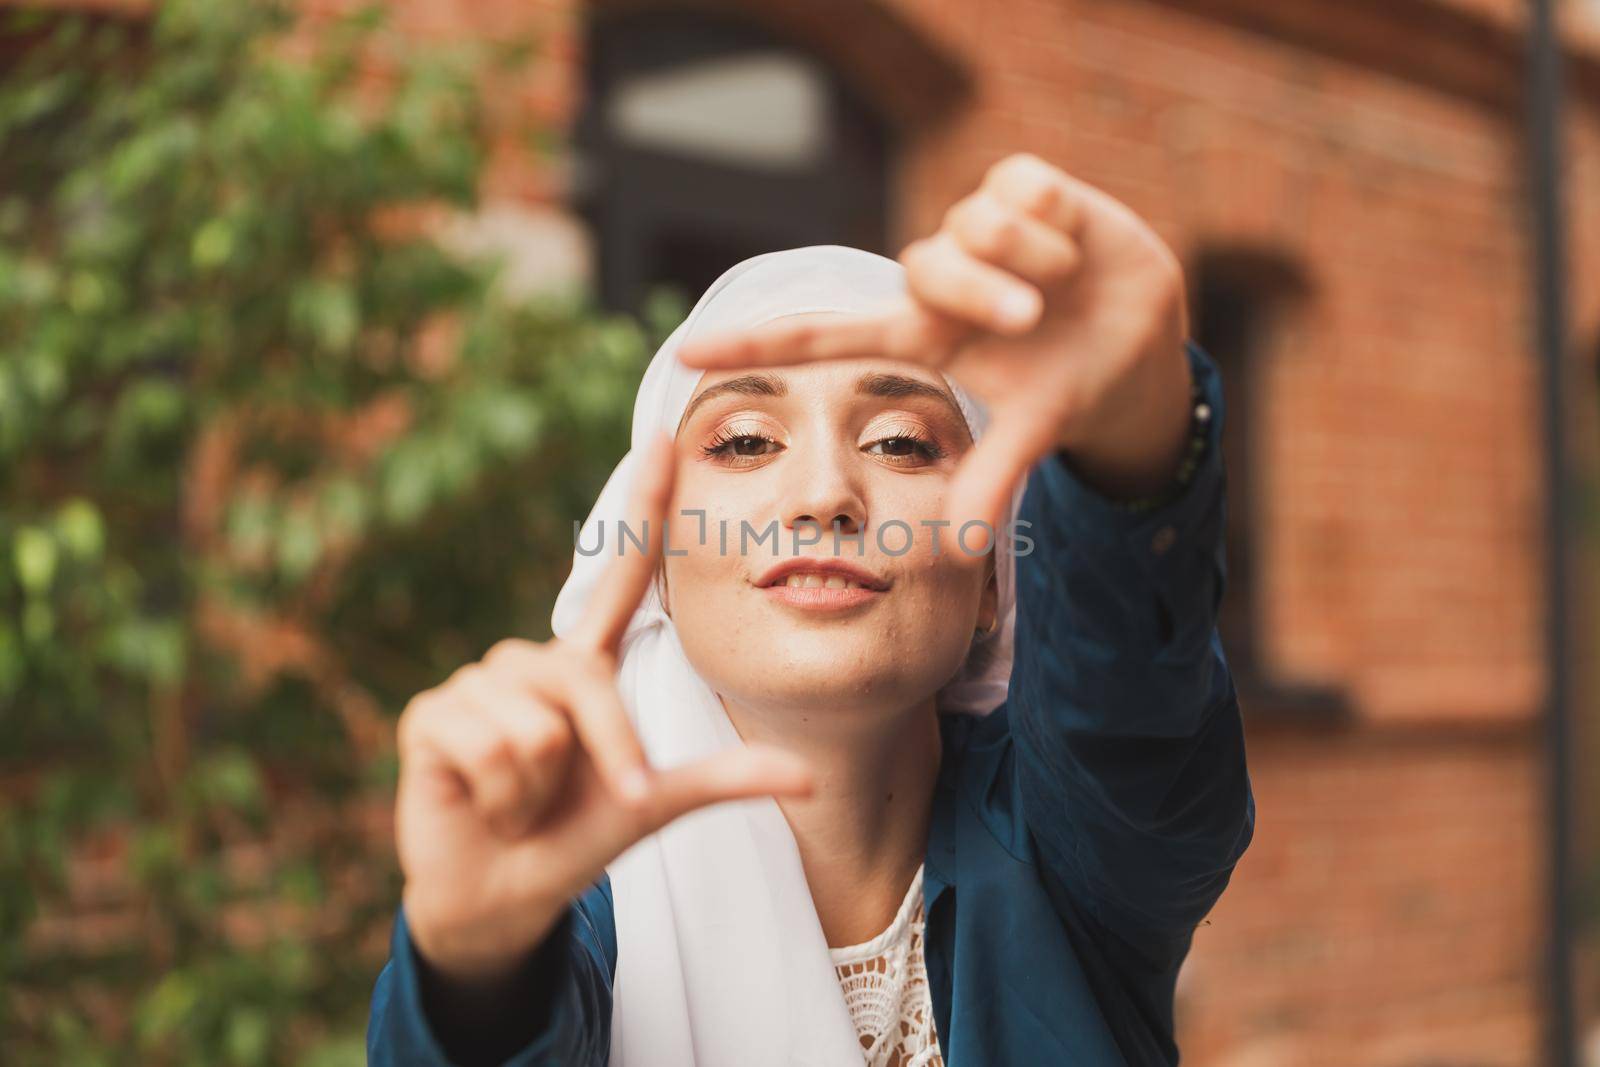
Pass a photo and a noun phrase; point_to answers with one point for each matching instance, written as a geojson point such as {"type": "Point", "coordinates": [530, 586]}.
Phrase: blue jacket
{"type": "Point", "coordinates": [1079, 833]}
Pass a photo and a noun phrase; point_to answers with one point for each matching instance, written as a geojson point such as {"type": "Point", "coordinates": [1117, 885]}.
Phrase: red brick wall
{"type": "Point", "coordinates": [1387, 912]}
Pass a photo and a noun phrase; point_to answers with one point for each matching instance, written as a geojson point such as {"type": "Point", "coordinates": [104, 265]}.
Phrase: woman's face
{"type": "Point", "coordinates": [817, 583]}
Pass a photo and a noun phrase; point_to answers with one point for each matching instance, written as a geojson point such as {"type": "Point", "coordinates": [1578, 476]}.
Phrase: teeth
{"type": "Point", "coordinates": [817, 581]}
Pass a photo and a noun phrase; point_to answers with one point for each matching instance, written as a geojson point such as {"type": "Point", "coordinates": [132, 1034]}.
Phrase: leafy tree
{"type": "Point", "coordinates": [272, 459]}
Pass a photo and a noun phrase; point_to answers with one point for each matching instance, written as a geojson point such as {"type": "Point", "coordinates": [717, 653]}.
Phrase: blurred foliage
{"type": "Point", "coordinates": [272, 460]}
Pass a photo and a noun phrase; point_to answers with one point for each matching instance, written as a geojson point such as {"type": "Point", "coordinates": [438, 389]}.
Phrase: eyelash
{"type": "Point", "coordinates": [723, 442]}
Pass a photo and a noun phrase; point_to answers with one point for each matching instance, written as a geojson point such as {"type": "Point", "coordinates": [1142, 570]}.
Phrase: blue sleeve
{"type": "Point", "coordinates": [1129, 747]}
{"type": "Point", "coordinates": [567, 1023]}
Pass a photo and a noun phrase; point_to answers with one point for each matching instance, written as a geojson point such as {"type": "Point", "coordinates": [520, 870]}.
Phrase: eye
{"type": "Point", "coordinates": [739, 448]}
{"type": "Point", "coordinates": [906, 449]}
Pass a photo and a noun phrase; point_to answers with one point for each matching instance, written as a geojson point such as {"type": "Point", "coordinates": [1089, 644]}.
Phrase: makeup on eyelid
{"type": "Point", "coordinates": [730, 440]}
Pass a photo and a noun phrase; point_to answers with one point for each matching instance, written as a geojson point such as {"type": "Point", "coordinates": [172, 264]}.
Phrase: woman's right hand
{"type": "Point", "coordinates": [521, 776]}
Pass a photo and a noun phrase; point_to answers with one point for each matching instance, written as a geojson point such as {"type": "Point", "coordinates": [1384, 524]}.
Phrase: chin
{"type": "Point", "coordinates": [862, 658]}
{"type": "Point", "coordinates": [845, 670]}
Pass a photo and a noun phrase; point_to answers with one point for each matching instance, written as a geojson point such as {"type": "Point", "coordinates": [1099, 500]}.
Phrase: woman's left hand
{"type": "Point", "coordinates": [1054, 304]}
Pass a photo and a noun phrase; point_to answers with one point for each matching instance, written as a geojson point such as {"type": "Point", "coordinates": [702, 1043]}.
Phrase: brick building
{"type": "Point", "coordinates": [1345, 182]}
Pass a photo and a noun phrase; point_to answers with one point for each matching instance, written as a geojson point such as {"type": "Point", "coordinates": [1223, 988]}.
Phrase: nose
{"type": "Point", "coordinates": [823, 490]}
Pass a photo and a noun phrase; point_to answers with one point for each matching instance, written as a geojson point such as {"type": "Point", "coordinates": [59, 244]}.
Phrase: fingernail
{"type": "Point", "coordinates": [1016, 309]}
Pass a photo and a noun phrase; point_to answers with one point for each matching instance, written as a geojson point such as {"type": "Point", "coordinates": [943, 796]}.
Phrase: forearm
{"type": "Point", "coordinates": [1135, 438]}
{"type": "Point", "coordinates": [486, 1019]}
{"type": "Point", "coordinates": [1130, 750]}
{"type": "Point", "coordinates": [553, 1008]}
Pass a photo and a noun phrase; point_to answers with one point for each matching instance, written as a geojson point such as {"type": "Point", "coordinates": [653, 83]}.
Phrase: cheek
{"type": "Point", "coordinates": [948, 591]}
{"type": "Point", "coordinates": [698, 576]}
{"type": "Point", "coordinates": [705, 571]}
{"type": "Point", "coordinates": [911, 499]}
{"type": "Point", "coordinates": [709, 528]}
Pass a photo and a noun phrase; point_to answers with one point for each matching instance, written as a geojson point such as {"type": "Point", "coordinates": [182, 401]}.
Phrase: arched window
{"type": "Point", "coordinates": [705, 140]}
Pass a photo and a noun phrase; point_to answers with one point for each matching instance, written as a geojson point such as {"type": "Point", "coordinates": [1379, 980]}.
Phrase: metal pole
{"type": "Point", "coordinates": [1544, 125]}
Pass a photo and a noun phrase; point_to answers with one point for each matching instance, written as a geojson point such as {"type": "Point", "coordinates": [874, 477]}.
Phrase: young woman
{"type": "Point", "coordinates": [817, 771]}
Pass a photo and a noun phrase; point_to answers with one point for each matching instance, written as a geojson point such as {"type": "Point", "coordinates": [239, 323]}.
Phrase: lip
{"type": "Point", "coordinates": [870, 586]}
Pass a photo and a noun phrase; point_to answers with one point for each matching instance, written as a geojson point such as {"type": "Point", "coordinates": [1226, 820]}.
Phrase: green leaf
{"type": "Point", "coordinates": [168, 1007]}
{"type": "Point", "coordinates": [327, 310]}
{"type": "Point", "coordinates": [155, 852]}
{"type": "Point", "coordinates": [80, 528]}
{"type": "Point", "coordinates": [212, 245]}
{"type": "Point", "coordinates": [11, 662]}
{"type": "Point", "coordinates": [299, 545]}
{"type": "Point", "coordinates": [231, 780]}
{"type": "Point", "coordinates": [407, 486]}
{"type": "Point", "coordinates": [87, 292]}
{"type": "Point", "coordinates": [152, 649]}
{"type": "Point", "coordinates": [344, 507]}
{"type": "Point", "coordinates": [33, 552]}
{"type": "Point", "coordinates": [510, 422]}
{"type": "Point", "coordinates": [249, 524]}
{"type": "Point", "coordinates": [34, 282]}
{"type": "Point", "coordinates": [38, 621]}
{"type": "Point", "coordinates": [150, 408]}
{"type": "Point", "coordinates": [345, 1050]}
{"type": "Point", "coordinates": [46, 376]}
{"type": "Point", "coordinates": [249, 1039]}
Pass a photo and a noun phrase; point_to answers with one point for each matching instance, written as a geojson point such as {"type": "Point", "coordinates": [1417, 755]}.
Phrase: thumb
{"type": "Point", "coordinates": [738, 772]}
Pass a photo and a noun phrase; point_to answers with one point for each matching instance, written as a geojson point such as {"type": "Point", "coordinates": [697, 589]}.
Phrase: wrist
{"type": "Point", "coordinates": [1133, 446]}
{"type": "Point", "coordinates": [486, 1017]}
{"type": "Point", "coordinates": [480, 954]}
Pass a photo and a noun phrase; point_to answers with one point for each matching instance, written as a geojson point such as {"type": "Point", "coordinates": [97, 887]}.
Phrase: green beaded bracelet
{"type": "Point", "coordinates": [1193, 452]}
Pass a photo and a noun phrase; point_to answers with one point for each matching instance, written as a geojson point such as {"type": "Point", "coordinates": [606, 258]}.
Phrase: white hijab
{"type": "Point", "coordinates": [721, 959]}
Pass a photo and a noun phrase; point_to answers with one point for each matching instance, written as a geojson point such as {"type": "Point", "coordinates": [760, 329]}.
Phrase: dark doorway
{"type": "Point", "coordinates": [1239, 296]}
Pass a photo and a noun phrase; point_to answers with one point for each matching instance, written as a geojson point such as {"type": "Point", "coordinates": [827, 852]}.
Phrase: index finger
{"type": "Point", "coordinates": [909, 332]}
{"type": "Point", "coordinates": [988, 475]}
{"type": "Point", "coordinates": [624, 583]}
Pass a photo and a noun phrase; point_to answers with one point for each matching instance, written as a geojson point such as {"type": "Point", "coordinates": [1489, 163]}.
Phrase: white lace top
{"type": "Point", "coordinates": [885, 983]}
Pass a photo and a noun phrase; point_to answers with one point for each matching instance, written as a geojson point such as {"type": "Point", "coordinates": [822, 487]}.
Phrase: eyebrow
{"type": "Point", "coordinates": [745, 385]}
{"type": "Point", "coordinates": [887, 386]}
{"type": "Point", "coordinates": [894, 386]}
